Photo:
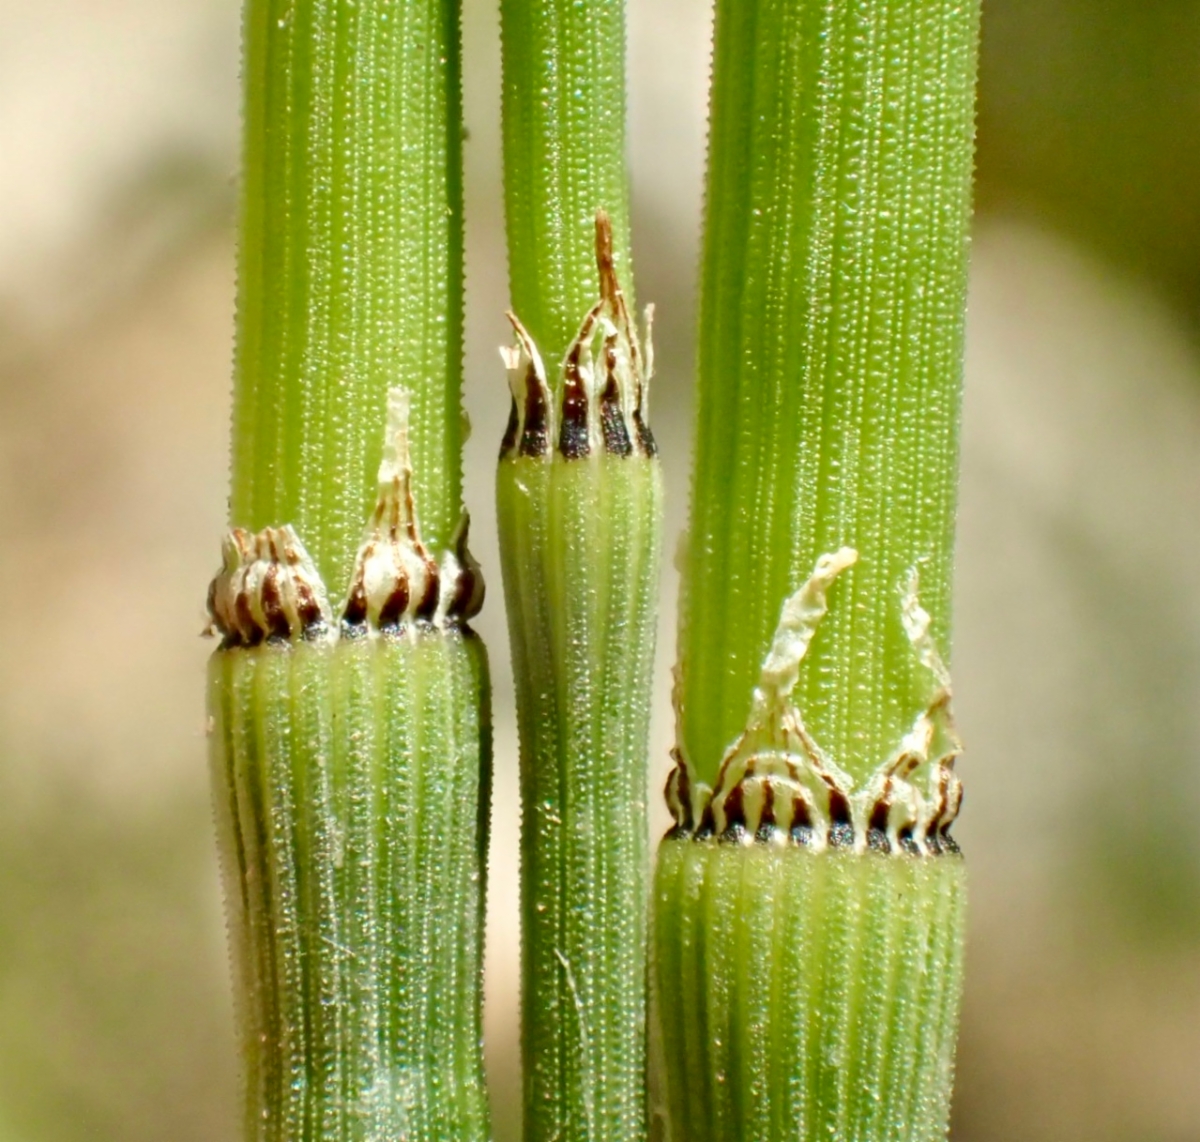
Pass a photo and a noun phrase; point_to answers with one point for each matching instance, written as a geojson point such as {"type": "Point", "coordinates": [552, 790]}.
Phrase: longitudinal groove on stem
{"type": "Point", "coordinates": [809, 902]}
{"type": "Point", "coordinates": [580, 565]}
{"type": "Point", "coordinates": [579, 503]}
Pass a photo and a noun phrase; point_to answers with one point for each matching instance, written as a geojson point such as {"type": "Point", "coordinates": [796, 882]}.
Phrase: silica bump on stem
{"type": "Point", "coordinates": [809, 901]}
{"type": "Point", "coordinates": [350, 739]}
{"type": "Point", "coordinates": [579, 497]}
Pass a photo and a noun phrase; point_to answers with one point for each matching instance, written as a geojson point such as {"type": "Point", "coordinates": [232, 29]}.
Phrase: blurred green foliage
{"type": "Point", "coordinates": [1089, 114]}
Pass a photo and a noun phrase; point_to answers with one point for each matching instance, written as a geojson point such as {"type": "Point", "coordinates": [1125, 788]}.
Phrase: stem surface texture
{"type": "Point", "coordinates": [347, 779]}
{"type": "Point", "coordinates": [564, 158]}
{"type": "Point", "coordinates": [807, 996]}
{"type": "Point", "coordinates": [579, 501]}
{"type": "Point", "coordinates": [349, 699]}
{"type": "Point", "coordinates": [809, 903]}
{"type": "Point", "coordinates": [580, 567]}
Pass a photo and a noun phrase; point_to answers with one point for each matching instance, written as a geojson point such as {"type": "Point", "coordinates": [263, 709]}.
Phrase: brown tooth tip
{"type": "Point", "coordinates": [609, 288]}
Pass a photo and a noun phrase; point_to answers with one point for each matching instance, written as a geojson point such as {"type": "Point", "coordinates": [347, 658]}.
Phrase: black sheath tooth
{"type": "Point", "coordinates": [645, 437]}
{"type": "Point", "coordinates": [392, 611]}
{"type": "Point", "coordinates": [877, 828]}
{"type": "Point", "coordinates": [535, 437]}
{"type": "Point", "coordinates": [573, 441]}
{"type": "Point", "coordinates": [612, 415]}
{"type": "Point", "coordinates": [426, 608]}
{"type": "Point", "coordinates": [509, 443]}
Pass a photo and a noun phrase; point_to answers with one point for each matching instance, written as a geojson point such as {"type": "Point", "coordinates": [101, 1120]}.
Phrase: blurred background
{"type": "Point", "coordinates": [1077, 646]}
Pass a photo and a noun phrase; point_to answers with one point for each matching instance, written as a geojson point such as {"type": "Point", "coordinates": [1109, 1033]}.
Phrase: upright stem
{"type": "Point", "coordinates": [810, 901]}
{"type": "Point", "coordinates": [564, 158]}
{"type": "Point", "coordinates": [350, 267]}
{"type": "Point", "coordinates": [830, 354]}
{"type": "Point", "coordinates": [348, 699]}
{"type": "Point", "coordinates": [579, 499]}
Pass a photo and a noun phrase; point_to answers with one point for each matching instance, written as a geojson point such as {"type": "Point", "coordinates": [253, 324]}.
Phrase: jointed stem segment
{"type": "Point", "coordinates": [830, 355]}
{"type": "Point", "coordinates": [808, 919]}
{"type": "Point", "coordinates": [349, 699]}
{"type": "Point", "coordinates": [579, 497]}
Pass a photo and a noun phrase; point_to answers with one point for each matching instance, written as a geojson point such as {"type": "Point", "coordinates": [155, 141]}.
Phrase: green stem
{"type": "Point", "coordinates": [809, 903]}
{"type": "Point", "coordinates": [564, 158]}
{"type": "Point", "coordinates": [808, 996]}
{"type": "Point", "coordinates": [349, 697]}
{"type": "Point", "coordinates": [581, 570]}
{"type": "Point", "coordinates": [350, 275]}
{"type": "Point", "coordinates": [579, 501]}
{"type": "Point", "coordinates": [347, 780]}
{"type": "Point", "coordinates": [830, 354]}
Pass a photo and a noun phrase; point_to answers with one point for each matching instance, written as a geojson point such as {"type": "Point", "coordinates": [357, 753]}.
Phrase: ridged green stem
{"type": "Point", "coordinates": [350, 276]}
{"type": "Point", "coordinates": [564, 158]}
{"type": "Point", "coordinates": [807, 997]}
{"type": "Point", "coordinates": [351, 736]}
{"type": "Point", "coordinates": [579, 499]}
{"type": "Point", "coordinates": [580, 540]}
{"type": "Point", "coordinates": [347, 779]}
{"type": "Point", "coordinates": [830, 355]}
{"type": "Point", "coordinates": [809, 917]}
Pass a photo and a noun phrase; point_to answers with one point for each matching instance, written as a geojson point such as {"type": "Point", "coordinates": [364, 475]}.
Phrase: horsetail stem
{"type": "Point", "coordinates": [830, 354]}
{"type": "Point", "coordinates": [579, 500]}
{"type": "Point", "coordinates": [350, 266]}
{"type": "Point", "coordinates": [809, 902]}
{"type": "Point", "coordinates": [564, 158]}
{"type": "Point", "coordinates": [349, 696]}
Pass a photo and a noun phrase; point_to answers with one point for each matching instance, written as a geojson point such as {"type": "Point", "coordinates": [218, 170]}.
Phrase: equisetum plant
{"type": "Point", "coordinates": [579, 498]}
{"type": "Point", "coordinates": [348, 696]}
{"type": "Point", "coordinates": [807, 908]}
{"type": "Point", "coordinates": [809, 901]}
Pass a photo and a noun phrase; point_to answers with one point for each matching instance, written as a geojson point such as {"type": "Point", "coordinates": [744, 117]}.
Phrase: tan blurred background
{"type": "Point", "coordinates": [1078, 629]}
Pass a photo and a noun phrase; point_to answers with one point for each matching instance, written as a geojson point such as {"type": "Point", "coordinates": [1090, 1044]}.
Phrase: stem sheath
{"type": "Point", "coordinates": [807, 996]}
{"type": "Point", "coordinates": [347, 779]}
